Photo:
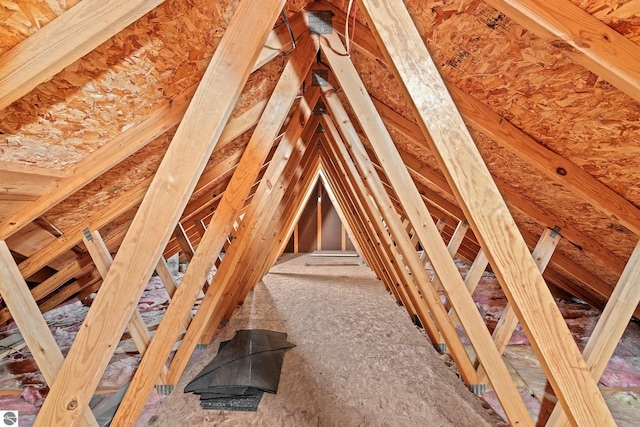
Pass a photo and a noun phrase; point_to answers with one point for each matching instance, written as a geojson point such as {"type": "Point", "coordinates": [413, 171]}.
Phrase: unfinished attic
{"type": "Point", "coordinates": [456, 139]}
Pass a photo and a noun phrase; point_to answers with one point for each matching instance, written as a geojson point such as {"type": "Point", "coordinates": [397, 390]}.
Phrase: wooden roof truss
{"type": "Point", "coordinates": [259, 193]}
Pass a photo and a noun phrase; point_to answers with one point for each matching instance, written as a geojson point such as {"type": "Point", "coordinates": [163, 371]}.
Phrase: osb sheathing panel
{"type": "Point", "coordinates": [553, 199]}
{"type": "Point", "coordinates": [540, 90]}
{"type": "Point", "coordinates": [20, 19]}
{"type": "Point", "coordinates": [116, 85]}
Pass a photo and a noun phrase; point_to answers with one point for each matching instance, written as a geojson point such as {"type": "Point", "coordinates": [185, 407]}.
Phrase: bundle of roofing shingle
{"type": "Point", "coordinates": [244, 368]}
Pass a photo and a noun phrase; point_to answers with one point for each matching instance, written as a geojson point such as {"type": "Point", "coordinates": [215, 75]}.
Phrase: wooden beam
{"type": "Point", "coordinates": [430, 238]}
{"type": "Point", "coordinates": [32, 325]}
{"type": "Point", "coordinates": [102, 258]}
{"type": "Point", "coordinates": [167, 116]}
{"type": "Point", "coordinates": [63, 41]}
{"type": "Point", "coordinates": [184, 242]}
{"type": "Point", "coordinates": [222, 222]}
{"type": "Point", "coordinates": [488, 215]}
{"type": "Point", "coordinates": [174, 181]}
{"type": "Point", "coordinates": [554, 166]}
{"type": "Point", "coordinates": [610, 327]}
{"type": "Point", "coordinates": [584, 38]}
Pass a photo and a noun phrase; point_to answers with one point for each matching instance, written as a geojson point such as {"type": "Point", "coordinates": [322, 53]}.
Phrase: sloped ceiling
{"type": "Point", "coordinates": [521, 77]}
{"type": "Point", "coordinates": [556, 118]}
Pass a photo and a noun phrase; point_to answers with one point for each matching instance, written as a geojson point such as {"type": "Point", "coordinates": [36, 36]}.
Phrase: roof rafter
{"type": "Point", "coordinates": [488, 215]}
{"type": "Point", "coordinates": [170, 189]}
{"type": "Point", "coordinates": [510, 137]}
{"type": "Point", "coordinates": [64, 40]}
{"type": "Point", "coordinates": [587, 40]}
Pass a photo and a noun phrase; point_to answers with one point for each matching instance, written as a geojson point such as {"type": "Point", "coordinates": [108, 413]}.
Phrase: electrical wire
{"type": "Point", "coordinates": [286, 22]}
{"type": "Point", "coordinates": [346, 29]}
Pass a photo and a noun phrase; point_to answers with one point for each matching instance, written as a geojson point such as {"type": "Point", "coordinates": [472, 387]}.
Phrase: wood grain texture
{"type": "Point", "coordinates": [416, 211]}
{"type": "Point", "coordinates": [583, 37]}
{"type": "Point", "coordinates": [160, 210]}
{"type": "Point", "coordinates": [69, 37]}
{"type": "Point", "coordinates": [32, 325]}
{"type": "Point", "coordinates": [610, 327]}
{"type": "Point", "coordinates": [553, 165]}
{"type": "Point", "coordinates": [488, 215]}
{"type": "Point", "coordinates": [165, 117]}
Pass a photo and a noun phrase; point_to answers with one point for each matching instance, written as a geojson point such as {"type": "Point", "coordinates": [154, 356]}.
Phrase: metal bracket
{"type": "Point", "coordinates": [164, 389]}
{"type": "Point", "coordinates": [319, 129]}
{"type": "Point", "coordinates": [201, 346]}
{"type": "Point", "coordinates": [478, 389]}
{"type": "Point", "coordinates": [440, 347]}
{"type": "Point", "coordinates": [320, 22]}
{"type": "Point", "coordinates": [416, 321]}
{"type": "Point", "coordinates": [555, 231]}
{"type": "Point", "coordinates": [87, 234]}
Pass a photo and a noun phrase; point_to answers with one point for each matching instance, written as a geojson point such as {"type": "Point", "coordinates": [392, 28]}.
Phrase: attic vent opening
{"type": "Point", "coordinates": [320, 22]}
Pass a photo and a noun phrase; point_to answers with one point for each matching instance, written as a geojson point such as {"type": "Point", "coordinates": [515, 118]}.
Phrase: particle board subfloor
{"type": "Point", "coordinates": [359, 361]}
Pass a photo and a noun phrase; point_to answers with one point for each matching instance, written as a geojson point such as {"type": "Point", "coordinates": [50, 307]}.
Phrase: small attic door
{"type": "Point", "coordinates": [319, 222]}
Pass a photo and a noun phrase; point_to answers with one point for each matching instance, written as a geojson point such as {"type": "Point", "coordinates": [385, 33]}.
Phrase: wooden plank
{"type": "Point", "coordinates": [398, 233]}
{"type": "Point", "coordinates": [489, 217]}
{"type": "Point", "coordinates": [184, 242]}
{"type": "Point", "coordinates": [454, 244]}
{"type": "Point", "coordinates": [420, 218]}
{"type": "Point", "coordinates": [472, 279]}
{"type": "Point", "coordinates": [167, 116]}
{"type": "Point", "coordinates": [32, 325]}
{"type": "Point", "coordinates": [584, 38]}
{"type": "Point", "coordinates": [378, 213]}
{"type": "Point", "coordinates": [610, 327]}
{"type": "Point", "coordinates": [63, 41]}
{"type": "Point", "coordinates": [165, 275]}
{"type": "Point", "coordinates": [20, 180]}
{"type": "Point", "coordinates": [102, 259]}
{"type": "Point", "coordinates": [167, 196]}
{"type": "Point", "coordinates": [221, 224]}
{"type": "Point", "coordinates": [508, 136]}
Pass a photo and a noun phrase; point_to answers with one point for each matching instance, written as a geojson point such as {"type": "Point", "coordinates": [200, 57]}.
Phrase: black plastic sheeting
{"type": "Point", "coordinates": [244, 368]}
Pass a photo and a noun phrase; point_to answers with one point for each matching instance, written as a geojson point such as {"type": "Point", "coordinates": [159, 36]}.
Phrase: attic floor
{"type": "Point", "coordinates": [359, 360]}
